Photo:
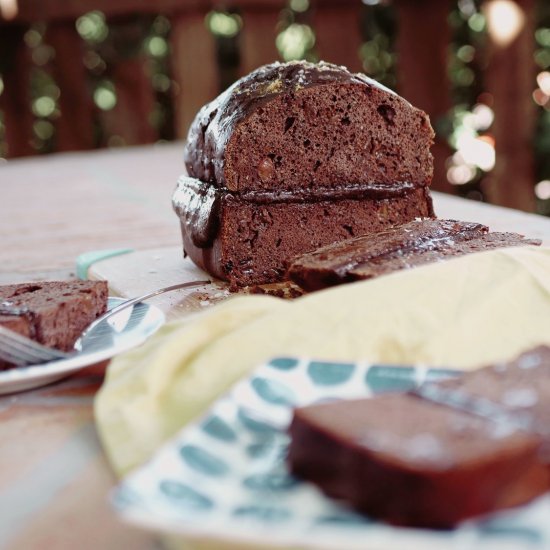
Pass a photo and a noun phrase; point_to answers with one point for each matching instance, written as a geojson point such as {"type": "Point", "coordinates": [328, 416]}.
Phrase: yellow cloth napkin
{"type": "Point", "coordinates": [461, 313]}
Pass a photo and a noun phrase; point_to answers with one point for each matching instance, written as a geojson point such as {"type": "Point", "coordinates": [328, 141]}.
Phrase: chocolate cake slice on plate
{"type": "Point", "coordinates": [412, 462]}
{"type": "Point", "coordinates": [450, 450]}
{"type": "Point", "coordinates": [295, 156]}
{"type": "Point", "coordinates": [53, 313]}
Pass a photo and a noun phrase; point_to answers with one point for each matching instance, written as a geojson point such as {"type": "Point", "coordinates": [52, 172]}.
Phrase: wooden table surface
{"type": "Point", "coordinates": [54, 479]}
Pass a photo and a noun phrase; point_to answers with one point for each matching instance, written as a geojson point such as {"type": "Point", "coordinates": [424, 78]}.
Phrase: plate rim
{"type": "Point", "coordinates": [64, 367]}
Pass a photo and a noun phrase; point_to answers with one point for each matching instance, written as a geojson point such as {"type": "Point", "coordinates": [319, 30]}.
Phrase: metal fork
{"type": "Point", "coordinates": [19, 350]}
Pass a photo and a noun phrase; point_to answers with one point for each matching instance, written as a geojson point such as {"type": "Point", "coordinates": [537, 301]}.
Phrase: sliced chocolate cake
{"type": "Point", "coordinates": [450, 450]}
{"type": "Point", "coordinates": [413, 462]}
{"type": "Point", "coordinates": [293, 157]}
{"type": "Point", "coordinates": [53, 313]}
{"type": "Point", "coordinates": [406, 246]}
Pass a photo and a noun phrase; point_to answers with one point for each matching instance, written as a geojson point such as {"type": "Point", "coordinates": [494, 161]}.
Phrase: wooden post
{"type": "Point", "coordinates": [510, 79]}
{"type": "Point", "coordinates": [258, 37]}
{"type": "Point", "coordinates": [337, 32]}
{"type": "Point", "coordinates": [194, 67]}
{"type": "Point", "coordinates": [74, 128]}
{"type": "Point", "coordinates": [15, 100]}
{"type": "Point", "coordinates": [131, 117]}
{"type": "Point", "coordinates": [423, 39]}
{"type": "Point", "coordinates": [128, 68]}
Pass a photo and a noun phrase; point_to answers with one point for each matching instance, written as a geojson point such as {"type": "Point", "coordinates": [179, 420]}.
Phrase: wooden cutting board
{"type": "Point", "coordinates": [134, 273]}
{"type": "Point", "coordinates": [137, 272]}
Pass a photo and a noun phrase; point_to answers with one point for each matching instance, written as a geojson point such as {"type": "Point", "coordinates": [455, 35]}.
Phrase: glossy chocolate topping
{"type": "Point", "coordinates": [204, 153]}
{"type": "Point", "coordinates": [197, 203]}
{"type": "Point", "coordinates": [406, 246]}
{"type": "Point", "coordinates": [9, 308]}
{"type": "Point", "coordinates": [415, 236]}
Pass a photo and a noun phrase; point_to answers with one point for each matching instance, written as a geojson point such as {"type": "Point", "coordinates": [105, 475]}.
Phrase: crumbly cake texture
{"type": "Point", "coordinates": [310, 154]}
{"type": "Point", "coordinates": [452, 450]}
{"type": "Point", "coordinates": [403, 247]}
{"type": "Point", "coordinates": [53, 313]}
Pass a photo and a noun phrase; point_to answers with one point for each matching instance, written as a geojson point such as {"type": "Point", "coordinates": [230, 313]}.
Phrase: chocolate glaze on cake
{"type": "Point", "coordinates": [413, 462]}
{"type": "Point", "coordinates": [299, 124]}
{"type": "Point", "coordinates": [516, 390]}
{"type": "Point", "coordinates": [253, 240]}
{"type": "Point", "coordinates": [291, 143]}
{"type": "Point", "coordinates": [53, 313]}
{"type": "Point", "coordinates": [403, 247]}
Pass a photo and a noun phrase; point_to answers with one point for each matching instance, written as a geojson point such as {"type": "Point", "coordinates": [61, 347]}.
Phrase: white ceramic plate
{"type": "Point", "coordinates": [123, 331]}
{"type": "Point", "coordinates": [224, 481]}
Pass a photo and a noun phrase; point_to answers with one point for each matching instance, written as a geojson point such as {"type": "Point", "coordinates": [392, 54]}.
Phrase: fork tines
{"type": "Point", "coordinates": [21, 351]}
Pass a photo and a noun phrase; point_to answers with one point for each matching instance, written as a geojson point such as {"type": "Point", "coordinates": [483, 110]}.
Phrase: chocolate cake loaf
{"type": "Point", "coordinates": [293, 157]}
{"type": "Point", "coordinates": [52, 313]}
{"type": "Point", "coordinates": [413, 462]}
{"type": "Point", "coordinates": [406, 246]}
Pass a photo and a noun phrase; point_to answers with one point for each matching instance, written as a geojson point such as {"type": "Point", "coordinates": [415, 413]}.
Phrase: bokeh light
{"type": "Point", "coordinates": [116, 141]}
{"type": "Point", "coordinates": [33, 38]}
{"type": "Point", "coordinates": [295, 41]}
{"type": "Point", "coordinates": [161, 82]}
{"type": "Point", "coordinates": [43, 106]}
{"type": "Point", "coordinates": [483, 117]}
{"type": "Point", "coordinates": [92, 27]}
{"type": "Point", "coordinates": [461, 174]}
{"type": "Point", "coordinates": [8, 9]}
{"type": "Point", "coordinates": [157, 46]}
{"type": "Point", "coordinates": [543, 80]}
{"type": "Point", "coordinates": [43, 129]}
{"type": "Point", "coordinates": [505, 20]}
{"type": "Point", "coordinates": [540, 98]}
{"type": "Point", "coordinates": [466, 53]}
{"type": "Point", "coordinates": [299, 6]}
{"type": "Point", "coordinates": [476, 22]}
{"type": "Point", "coordinates": [542, 190]}
{"type": "Point", "coordinates": [223, 23]}
{"type": "Point", "coordinates": [105, 96]}
{"type": "Point", "coordinates": [542, 36]}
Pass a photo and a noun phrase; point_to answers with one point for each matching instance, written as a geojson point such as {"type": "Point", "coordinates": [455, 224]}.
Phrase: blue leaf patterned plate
{"type": "Point", "coordinates": [223, 479]}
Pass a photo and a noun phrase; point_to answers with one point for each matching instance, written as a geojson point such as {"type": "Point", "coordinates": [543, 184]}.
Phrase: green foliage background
{"type": "Point", "coordinates": [149, 36]}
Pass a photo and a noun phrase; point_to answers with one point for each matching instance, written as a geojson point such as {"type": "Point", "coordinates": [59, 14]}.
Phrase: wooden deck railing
{"type": "Point", "coordinates": [422, 42]}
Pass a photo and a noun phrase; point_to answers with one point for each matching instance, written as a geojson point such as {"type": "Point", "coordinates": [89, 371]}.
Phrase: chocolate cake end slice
{"type": "Point", "coordinates": [402, 247]}
{"type": "Point", "coordinates": [412, 462]}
